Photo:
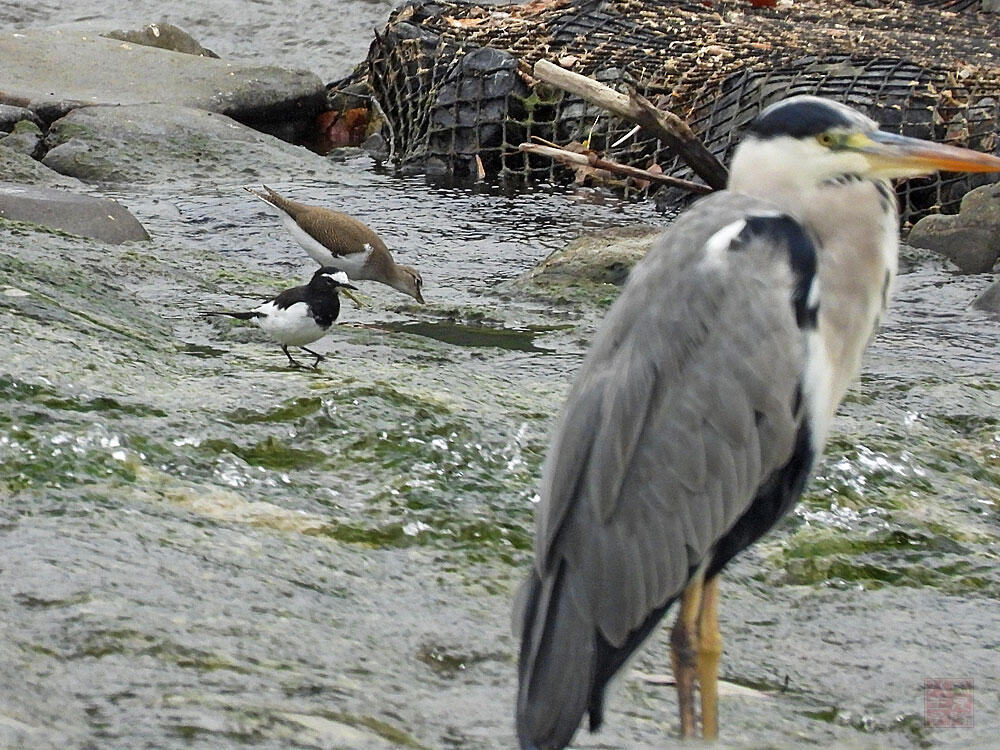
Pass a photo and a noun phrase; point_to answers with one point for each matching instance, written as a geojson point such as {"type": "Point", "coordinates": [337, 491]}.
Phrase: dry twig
{"type": "Point", "coordinates": [636, 108]}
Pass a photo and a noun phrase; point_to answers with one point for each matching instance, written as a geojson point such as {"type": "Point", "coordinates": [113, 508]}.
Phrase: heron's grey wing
{"type": "Point", "coordinates": [684, 406]}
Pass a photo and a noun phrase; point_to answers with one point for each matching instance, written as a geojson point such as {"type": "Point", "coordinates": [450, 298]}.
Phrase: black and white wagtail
{"type": "Point", "coordinates": [300, 315]}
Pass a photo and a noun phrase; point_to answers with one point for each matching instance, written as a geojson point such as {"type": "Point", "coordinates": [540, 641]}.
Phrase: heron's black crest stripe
{"type": "Point", "coordinates": [784, 231]}
{"type": "Point", "coordinates": [798, 118]}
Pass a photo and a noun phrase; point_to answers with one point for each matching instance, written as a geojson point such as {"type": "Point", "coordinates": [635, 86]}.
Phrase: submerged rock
{"type": "Point", "coordinates": [970, 238]}
{"type": "Point", "coordinates": [163, 142]}
{"type": "Point", "coordinates": [989, 300]}
{"type": "Point", "coordinates": [163, 35]}
{"type": "Point", "coordinates": [99, 218]}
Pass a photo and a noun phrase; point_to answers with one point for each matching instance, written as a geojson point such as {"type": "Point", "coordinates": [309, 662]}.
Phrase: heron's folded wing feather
{"type": "Point", "coordinates": [659, 449]}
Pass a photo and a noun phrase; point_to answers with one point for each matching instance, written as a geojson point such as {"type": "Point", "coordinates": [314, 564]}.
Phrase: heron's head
{"type": "Point", "coordinates": [805, 141]}
{"type": "Point", "coordinates": [333, 278]}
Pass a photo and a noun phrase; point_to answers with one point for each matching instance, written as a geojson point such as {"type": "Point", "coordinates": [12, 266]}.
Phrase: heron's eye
{"type": "Point", "coordinates": [826, 139]}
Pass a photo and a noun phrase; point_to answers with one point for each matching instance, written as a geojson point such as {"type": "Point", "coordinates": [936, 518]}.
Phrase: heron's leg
{"type": "Point", "coordinates": [709, 652]}
{"type": "Point", "coordinates": [682, 653]}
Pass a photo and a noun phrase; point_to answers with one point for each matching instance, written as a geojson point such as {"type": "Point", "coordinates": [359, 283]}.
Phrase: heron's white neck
{"type": "Point", "coordinates": [855, 225]}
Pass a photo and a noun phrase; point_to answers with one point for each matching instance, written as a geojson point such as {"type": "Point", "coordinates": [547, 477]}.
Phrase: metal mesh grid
{"type": "Point", "coordinates": [454, 79]}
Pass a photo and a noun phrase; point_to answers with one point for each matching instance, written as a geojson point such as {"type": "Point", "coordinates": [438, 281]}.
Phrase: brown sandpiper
{"type": "Point", "coordinates": [335, 239]}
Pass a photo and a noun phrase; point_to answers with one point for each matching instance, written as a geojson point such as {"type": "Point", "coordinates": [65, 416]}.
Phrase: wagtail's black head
{"type": "Point", "coordinates": [331, 278]}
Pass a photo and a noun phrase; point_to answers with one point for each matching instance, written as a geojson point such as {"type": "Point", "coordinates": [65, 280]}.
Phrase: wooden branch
{"type": "Point", "coordinates": [592, 160]}
{"type": "Point", "coordinates": [636, 108]}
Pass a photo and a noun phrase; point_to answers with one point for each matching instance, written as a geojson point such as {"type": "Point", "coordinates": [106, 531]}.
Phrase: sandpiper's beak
{"type": "Point", "coordinates": [892, 155]}
{"type": "Point", "coordinates": [419, 297]}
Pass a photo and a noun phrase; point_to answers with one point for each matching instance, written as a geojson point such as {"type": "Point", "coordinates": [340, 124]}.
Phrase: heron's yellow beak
{"type": "Point", "coordinates": [892, 155]}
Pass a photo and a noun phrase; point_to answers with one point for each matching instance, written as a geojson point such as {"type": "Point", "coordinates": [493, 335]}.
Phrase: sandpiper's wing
{"type": "Point", "coordinates": [337, 233]}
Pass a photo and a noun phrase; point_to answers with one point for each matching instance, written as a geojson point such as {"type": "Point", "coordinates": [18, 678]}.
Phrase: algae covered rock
{"type": "Point", "coordinates": [26, 138]}
{"type": "Point", "coordinates": [10, 116]}
{"type": "Point", "coordinates": [19, 167]}
{"type": "Point", "coordinates": [604, 257]}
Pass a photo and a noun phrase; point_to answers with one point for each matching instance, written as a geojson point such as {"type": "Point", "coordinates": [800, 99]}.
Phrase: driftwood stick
{"type": "Point", "coordinates": [592, 160]}
{"type": "Point", "coordinates": [636, 108]}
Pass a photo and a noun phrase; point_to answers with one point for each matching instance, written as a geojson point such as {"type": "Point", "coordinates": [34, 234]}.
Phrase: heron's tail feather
{"type": "Point", "coordinates": [249, 315]}
{"type": "Point", "coordinates": [556, 665]}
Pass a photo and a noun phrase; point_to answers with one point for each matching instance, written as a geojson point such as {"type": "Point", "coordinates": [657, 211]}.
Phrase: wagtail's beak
{"type": "Point", "coordinates": [894, 155]}
{"type": "Point", "coordinates": [356, 299]}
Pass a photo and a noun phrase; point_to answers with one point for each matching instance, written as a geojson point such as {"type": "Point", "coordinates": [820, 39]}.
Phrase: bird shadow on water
{"type": "Point", "coordinates": [515, 339]}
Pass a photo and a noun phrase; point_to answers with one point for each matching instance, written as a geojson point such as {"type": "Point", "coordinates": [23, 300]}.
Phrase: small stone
{"type": "Point", "coordinates": [11, 116]}
{"type": "Point", "coordinates": [163, 35]}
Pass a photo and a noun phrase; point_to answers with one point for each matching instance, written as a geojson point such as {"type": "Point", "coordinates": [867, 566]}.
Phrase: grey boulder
{"type": "Point", "coordinates": [989, 301]}
{"type": "Point", "coordinates": [98, 218]}
{"type": "Point", "coordinates": [159, 143]}
{"type": "Point", "coordinates": [52, 71]}
{"type": "Point", "coordinates": [970, 238]}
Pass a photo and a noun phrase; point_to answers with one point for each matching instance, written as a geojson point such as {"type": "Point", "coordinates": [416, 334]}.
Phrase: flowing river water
{"type": "Point", "coordinates": [201, 547]}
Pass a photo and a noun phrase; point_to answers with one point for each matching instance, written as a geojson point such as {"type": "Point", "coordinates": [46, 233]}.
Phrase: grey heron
{"type": "Point", "coordinates": [705, 397]}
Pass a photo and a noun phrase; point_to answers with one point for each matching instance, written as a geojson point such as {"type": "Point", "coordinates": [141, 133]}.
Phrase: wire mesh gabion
{"type": "Point", "coordinates": [454, 82]}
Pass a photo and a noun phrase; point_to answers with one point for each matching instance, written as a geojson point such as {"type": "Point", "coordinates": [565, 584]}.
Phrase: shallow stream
{"type": "Point", "coordinates": [201, 547]}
